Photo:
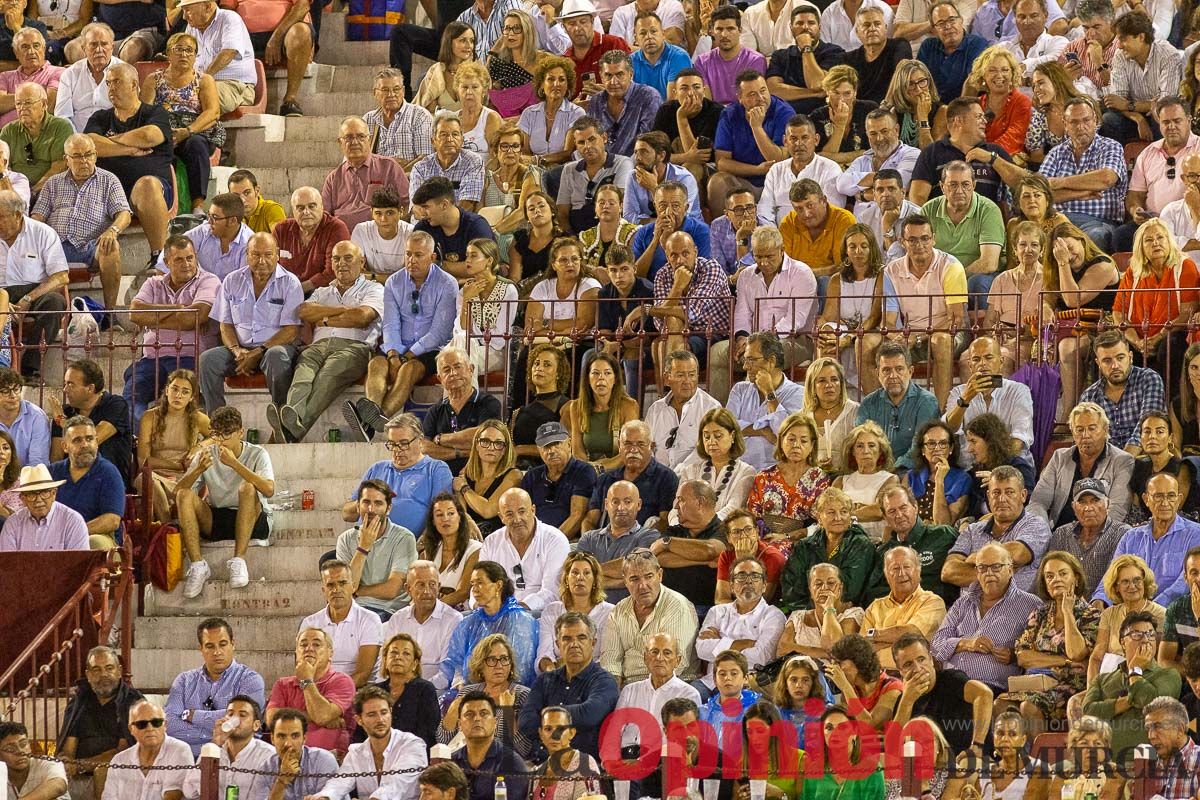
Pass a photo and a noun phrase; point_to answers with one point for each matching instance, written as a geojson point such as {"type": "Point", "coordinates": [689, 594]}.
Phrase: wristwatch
{"type": "Point", "coordinates": [923, 125]}
{"type": "Point", "coordinates": [307, 682]}
{"type": "Point", "coordinates": [772, 397]}
{"type": "Point", "coordinates": [963, 403]}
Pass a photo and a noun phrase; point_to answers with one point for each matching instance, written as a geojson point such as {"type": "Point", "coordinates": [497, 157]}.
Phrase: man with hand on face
{"type": "Point", "coordinates": [240, 748]}
{"type": "Point", "coordinates": [452, 225]}
{"type": "Point", "coordinates": [796, 70]}
{"type": "Point", "coordinates": [153, 748]}
{"type": "Point", "coordinates": [656, 62]}
{"type": "Point", "coordinates": [885, 213]}
{"type": "Point", "coordinates": [800, 141]}
{"type": "Point", "coordinates": [946, 696]}
{"type": "Point", "coordinates": [765, 398]}
{"type": "Point", "coordinates": [729, 234]}
{"type": "Point", "coordinates": [252, 340]}
{"type": "Point", "coordinates": [672, 202]}
{"type": "Point", "coordinates": [626, 109]}
{"type": "Point", "coordinates": [1120, 696]}
{"type": "Point", "coordinates": [322, 693]}
{"type": "Point", "coordinates": [986, 392]}
{"type": "Point", "coordinates": [691, 299]}
{"type": "Point", "coordinates": [385, 750]}
{"type": "Point", "coordinates": [1181, 623]}
{"type": "Point", "coordinates": [749, 135]}
{"type": "Point", "coordinates": [686, 119]}
{"type": "Point", "coordinates": [964, 141]}
{"type": "Point", "coordinates": [886, 152]}
{"type": "Point", "coordinates": [652, 167]}
{"type": "Point", "coordinates": [562, 484]}
{"type": "Point", "coordinates": [378, 551]}
{"type": "Point", "coordinates": [293, 760]}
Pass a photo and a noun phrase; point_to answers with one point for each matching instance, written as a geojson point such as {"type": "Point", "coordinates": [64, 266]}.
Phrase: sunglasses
{"type": "Point", "coordinates": [672, 436]}
{"type": "Point", "coordinates": [416, 301]}
{"type": "Point", "coordinates": [29, 152]}
{"type": "Point", "coordinates": [1170, 168]}
{"type": "Point", "coordinates": [142, 724]}
{"type": "Point", "coordinates": [519, 574]}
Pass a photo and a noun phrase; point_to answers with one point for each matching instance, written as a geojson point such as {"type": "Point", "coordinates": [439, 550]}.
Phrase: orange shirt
{"type": "Point", "coordinates": [826, 249]}
{"type": "Point", "coordinates": [1149, 311]}
{"type": "Point", "coordinates": [1008, 128]}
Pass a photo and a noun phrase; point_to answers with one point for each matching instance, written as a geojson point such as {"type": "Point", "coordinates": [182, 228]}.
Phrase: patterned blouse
{"type": "Point", "coordinates": [183, 105]}
{"type": "Point", "coordinates": [771, 495]}
{"type": "Point", "coordinates": [594, 249]}
{"type": "Point", "coordinates": [1039, 136]}
{"type": "Point", "coordinates": [507, 74]}
{"type": "Point", "coordinates": [566, 788]}
{"type": "Point", "coordinates": [1042, 635]}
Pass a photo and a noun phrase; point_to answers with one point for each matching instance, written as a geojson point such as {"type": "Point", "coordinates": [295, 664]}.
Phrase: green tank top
{"type": "Point", "coordinates": [598, 440]}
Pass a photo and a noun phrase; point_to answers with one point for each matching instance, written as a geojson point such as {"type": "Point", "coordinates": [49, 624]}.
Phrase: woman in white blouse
{"type": "Point", "coordinates": [717, 461]}
{"type": "Point", "coordinates": [580, 588]}
{"type": "Point", "coordinates": [825, 398]}
{"type": "Point", "coordinates": [486, 306]}
{"type": "Point", "coordinates": [452, 542]}
{"type": "Point", "coordinates": [867, 454]}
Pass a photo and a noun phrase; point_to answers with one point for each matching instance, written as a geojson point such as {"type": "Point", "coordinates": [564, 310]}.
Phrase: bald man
{"type": "Point", "coordinates": [530, 550]}
{"type": "Point", "coordinates": [306, 239]}
{"type": "Point", "coordinates": [1182, 216]}
{"type": "Point", "coordinates": [347, 190]}
{"type": "Point", "coordinates": [147, 724]}
{"type": "Point", "coordinates": [31, 123]}
{"type": "Point", "coordinates": [258, 308]}
{"type": "Point", "coordinates": [346, 320]}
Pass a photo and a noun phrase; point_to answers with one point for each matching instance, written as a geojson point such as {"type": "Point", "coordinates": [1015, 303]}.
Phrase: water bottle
{"type": "Point", "coordinates": [231, 792]}
{"type": "Point", "coordinates": [501, 789]}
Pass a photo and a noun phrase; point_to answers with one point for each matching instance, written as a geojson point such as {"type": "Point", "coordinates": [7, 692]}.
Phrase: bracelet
{"type": "Point", "coordinates": [364, 552]}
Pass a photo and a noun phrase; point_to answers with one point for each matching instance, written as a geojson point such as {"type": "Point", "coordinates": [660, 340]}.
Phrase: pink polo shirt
{"type": "Point", "coordinates": [347, 190]}
{"type": "Point", "coordinates": [1150, 174]}
{"type": "Point", "coordinates": [157, 291]}
{"type": "Point", "coordinates": [46, 77]}
{"type": "Point", "coordinates": [337, 688]}
{"type": "Point", "coordinates": [923, 300]}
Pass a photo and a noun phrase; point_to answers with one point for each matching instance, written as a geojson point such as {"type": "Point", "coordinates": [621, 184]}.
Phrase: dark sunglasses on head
{"type": "Point", "coordinates": [142, 724]}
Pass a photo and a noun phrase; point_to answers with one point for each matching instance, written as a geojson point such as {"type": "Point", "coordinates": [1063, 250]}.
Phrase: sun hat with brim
{"type": "Point", "coordinates": [36, 479]}
{"type": "Point", "coordinates": [571, 8]}
{"type": "Point", "coordinates": [183, 3]}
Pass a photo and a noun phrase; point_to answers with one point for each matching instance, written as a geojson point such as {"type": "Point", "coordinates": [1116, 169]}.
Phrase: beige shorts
{"type": "Point", "coordinates": [234, 94]}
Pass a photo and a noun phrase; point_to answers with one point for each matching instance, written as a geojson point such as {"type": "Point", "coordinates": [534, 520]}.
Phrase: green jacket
{"type": "Point", "coordinates": [862, 571]}
{"type": "Point", "coordinates": [932, 543]}
{"type": "Point", "coordinates": [1128, 730]}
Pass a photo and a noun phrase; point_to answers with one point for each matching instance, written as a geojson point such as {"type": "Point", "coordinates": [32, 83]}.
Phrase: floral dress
{"type": "Point", "coordinates": [183, 106]}
{"type": "Point", "coordinates": [1042, 636]}
{"type": "Point", "coordinates": [772, 496]}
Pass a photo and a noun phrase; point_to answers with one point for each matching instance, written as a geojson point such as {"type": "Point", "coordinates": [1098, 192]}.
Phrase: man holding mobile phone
{"type": "Point", "coordinates": [987, 391]}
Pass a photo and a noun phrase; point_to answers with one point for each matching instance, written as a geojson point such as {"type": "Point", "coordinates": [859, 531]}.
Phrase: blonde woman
{"type": "Point", "coordinates": [783, 496]}
{"type": "Point", "coordinates": [838, 541]}
{"type": "Point", "coordinates": [827, 401]}
{"type": "Point", "coordinates": [492, 668]}
{"type": "Point", "coordinates": [1157, 317]}
{"type": "Point", "coordinates": [718, 462]}
{"type": "Point", "coordinates": [996, 75]}
{"type": "Point", "coordinates": [1130, 583]}
{"type": "Point", "coordinates": [479, 123]}
{"type": "Point", "coordinates": [512, 63]}
{"type": "Point", "coordinates": [489, 473]}
{"type": "Point", "coordinates": [867, 454]}
{"type": "Point", "coordinates": [842, 122]}
{"type": "Point", "coordinates": [580, 588]}
{"type": "Point", "coordinates": [913, 97]}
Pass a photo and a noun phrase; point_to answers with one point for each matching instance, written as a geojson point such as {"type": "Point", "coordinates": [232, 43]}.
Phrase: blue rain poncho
{"type": "Point", "coordinates": [514, 621]}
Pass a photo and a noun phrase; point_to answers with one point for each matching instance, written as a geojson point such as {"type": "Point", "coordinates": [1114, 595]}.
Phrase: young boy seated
{"type": "Point", "coordinates": [235, 479]}
{"type": "Point", "coordinates": [620, 309]}
{"type": "Point", "coordinates": [731, 671]}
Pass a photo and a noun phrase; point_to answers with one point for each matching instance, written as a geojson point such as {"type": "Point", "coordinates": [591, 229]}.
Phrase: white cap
{"type": "Point", "coordinates": [577, 8]}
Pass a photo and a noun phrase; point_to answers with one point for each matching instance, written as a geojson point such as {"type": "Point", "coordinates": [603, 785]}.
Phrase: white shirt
{"type": "Point", "coordinates": [774, 204]}
{"type": "Point", "coordinates": [433, 635]}
{"type": "Point", "coordinates": [788, 306]}
{"type": "Point", "coordinates": [36, 254]}
{"type": "Point", "coordinates": [20, 185]}
{"type": "Point", "coordinates": [1178, 219]}
{"type": "Point", "coordinates": [1046, 48]}
{"type": "Point", "coordinates": [254, 755]}
{"type": "Point", "coordinates": [870, 215]}
{"type": "Point", "coordinates": [364, 292]}
{"type": "Point", "coordinates": [642, 694]}
{"type": "Point", "coordinates": [902, 159]}
{"type": "Point", "coordinates": [669, 11]}
{"type": "Point", "coordinates": [837, 27]}
{"type": "Point", "coordinates": [540, 566]}
{"type": "Point", "coordinates": [554, 307]}
{"type": "Point", "coordinates": [764, 624]}
{"type": "Point", "coordinates": [39, 772]}
{"type": "Point", "coordinates": [770, 35]}
{"type": "Point", "coordinates": [547, 642]}
{"type": "Point", "coordinates": [662, 419]}
{"type": "Point", "coordinates": [227, 31]}
{"type": "Point", "coordinates": [1011, 402]}
{"type": "Point", "coordinates": [360, 628]}
{"type": "Point", "coordinates": [133, 784]}
{"type": "Point", "coordinates": [404, 751]}
{"type": "Point", "coordinates": [79, 96]}
{"type": "Point", "coordinates": [383, 256]}
{"type": "Point", "coordinates": [734, 493]}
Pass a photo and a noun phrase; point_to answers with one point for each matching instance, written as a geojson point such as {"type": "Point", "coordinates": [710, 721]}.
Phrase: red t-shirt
{"type": "Point", "coordinates": [337, 688]}
{"type": "Point", "coordinates": [601, 44]}
{"type": "Point", "coordinates": [773, 559]}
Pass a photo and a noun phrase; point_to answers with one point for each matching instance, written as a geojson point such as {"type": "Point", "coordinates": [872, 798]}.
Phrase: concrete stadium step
{"type": "Point", "coordinates": [156, 669]}
{"type": "Point", "coordinates": [346, 103]}
{"type": "Point", "coordinates": [257, 633]}
{"type": "Point", "coordinates": [262, 598]}
{"type": "Point", "coordinates": [318, 79]}
{"type": "Point", "coordinates": [329, 493]}
{"type": "Point", "coordinates": [322, 460]}
{"type": "Point", "coordinates": [320, 526]}
{"type": "Point", "coordinates": [278, 183]}
{"type": "Point", "coordinates": [361, 78]}
{"type": "Point", "coordinates": [307, 142]}
{"type": "Point", "coordinates": [282, 561]}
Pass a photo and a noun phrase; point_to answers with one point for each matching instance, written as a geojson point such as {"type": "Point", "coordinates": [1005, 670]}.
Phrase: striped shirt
{"type": "Point", "coordinates": [1159, 78]}
{"type": "Point", "coordinates": [1003, 623]}
{"type": "Point", "coordinates": [79, 213]}
{"type": "Point", "coordinates": [409, 136]}
{"type": "Point", "coordinates": [1102, 153]}
{"type": "Point", "coordinates": [623, 647]}
{"type": "Point", "coordinates": [465, 172]}
{"type": "Point", "coordinates": [487, 31]}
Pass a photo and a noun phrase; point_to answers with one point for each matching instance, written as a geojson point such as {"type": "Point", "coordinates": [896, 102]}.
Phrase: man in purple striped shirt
{"type": "Point", "coordinates": [42, 524]}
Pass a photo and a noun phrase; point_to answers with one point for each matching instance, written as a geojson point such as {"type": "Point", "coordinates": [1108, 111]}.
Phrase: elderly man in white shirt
{"type": "Point", "coordinates": [225, 51]}
{"type": "Point", "coordinates": [1182, 216]}
{"type": "Point", "coordinates": [837, 26]}
{"type": "Point", "coordinates": [10, 178]}
{"type": "Point", "coordinates": [748, 624]}
{"type": "Point", "coordinates": [1010, 401]}
{"type": "Point", "coordinates": [357, 633]}
{"type": "Point", "coordinates": [35, 273]}
{"type": "Point", "coordinates": [531, 551]}
{"type": "Point", "coordinates": [81, 88]}
{"type": "Point", "coordinates": [148, 725]}
{"type": "Point", "coordinates": [395, 751]}
{"type": "Point", "coordinates": [663, 657]}
{"type": "Point", "coordinates": [1033, 44]}
{"type": "Point", "coordinates": [800, 141]}
{"type": "Point", "coordinates": [777, 294]}
{"type": "Point", "coordinates": [240, 748]}
{"type": "Point", "coordinates": [674, 419]}
{"type": "Point", "coordinates": [886, 152]}
{"type": "Point", "coordinates": [427, 619]}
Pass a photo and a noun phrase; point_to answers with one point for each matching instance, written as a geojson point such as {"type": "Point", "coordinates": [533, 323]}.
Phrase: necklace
{"type": "Point", "coordinates": [708, 468]}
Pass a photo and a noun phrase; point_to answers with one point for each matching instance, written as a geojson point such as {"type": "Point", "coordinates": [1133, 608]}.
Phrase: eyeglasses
{"type": "Point", "coordinates": [509, 147]}
{"type": "Point", "coordinates": [748, 577]}
{"type": "Point", "coordinates": [938, 445]}
{"type": "Point", "coordinates": [512, 29]}
{"type": "Point", "coordinates": [85, 157]}
{"type": "Point", "coordinates": [1130, 582]}
{"type": "Point", "coordinates": [12, 391]}
{"type": "Point", "coordinates": [746, 209]}
{"type": "Point", "coordinates": [1170, 168]}
{"type": "Point", "coordinates": [354, 137]}
{"type": "Point", "coordinates": [1163, 497]}
{"type": "Point", "coordinates": [403, 444]}
{"type": "Point", "coordinates": [142, 724]}
{"type": "Point", "coordinates": [1142, 636]}
{"type": "Point", "coordinates": [390, 92]}
{"type": "Point", "coordinates": [990, 569]}
{"type": "Point", "coordinates": [946, 23]}
{"type": "Point", "coordinates": [497, 661]}
{"type": "Point", "coordinates": [492, 444]}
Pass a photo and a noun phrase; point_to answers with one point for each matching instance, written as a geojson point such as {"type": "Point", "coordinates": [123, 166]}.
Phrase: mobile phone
{"type": "Point", "coordinates": [997, 381]}
{"type": "Point", "coordinates": [589, 77]}
{"type": "Point", "coordinates": [704, 142]}
{"type": "Point", "coordinates": [1073, 57]}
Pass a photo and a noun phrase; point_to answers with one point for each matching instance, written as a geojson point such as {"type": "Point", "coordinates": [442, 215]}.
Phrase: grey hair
{"type": "Point", "coordinates": [1006, 473]}
{"type": "Point", "coordinates": [423, 238]}
{"type": "Point", "coordinates": [906, 550]}
{"type": "Point", "coordinates": [574, 618]}
{"type": "Point", "coordinates": [387, 73]}
{"type": "Point", "coordinates": [103, 650]}
{"type": "Point", "coordinates": [959, 165]}
{"type": "Point", "coordinates": [452, 351]}
{"type": "Point", "coordinates": [702, 490]}
{"type": "Point", "coordinates": [352, 118]}
{"type": "Point", "coordinates": [1174, 709]}
{"type": "Point", "coordinates": [640, 556]}
{"type": "Point", "coordinates": [324, 635]}
{"type": "Point", "coordinates": [405, 420]}
{"type": "Point", "coordinates": [633, 424]}
{"type": "Point", "coordinates": [446, 116]}
{"type": "Point", "coordinates": [824, 565]}
{"type": "Point", "coordinates": [766, 236]}
{"type": "Point", "coordinates": [92, 27]}
{"type": "Point", "coordinates": [1088, 408]}
{"type": "Point", "coordinates": [38, 90]}
{"type": "Point", "coordinates": [12, 201]}
{"type": "Point", "coordinates": [617, 57]}
{"type": "Point", "coordinates": [1096, 9]}
{"type": "Point", "coordinates": [23, 32]}
{"type": "Point", "coordinates": [126, 70]}
{"type": "Point", "coordinates": [682, 355]}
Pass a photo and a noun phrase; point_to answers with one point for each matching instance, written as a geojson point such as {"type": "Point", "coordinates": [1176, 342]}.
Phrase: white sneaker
{"type": "Point", "coordinates": [193, 582]}
{"type": "Point", "coordinates": [239, 575]}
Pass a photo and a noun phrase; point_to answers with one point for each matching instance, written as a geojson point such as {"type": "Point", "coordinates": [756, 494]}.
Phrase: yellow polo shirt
{"type": "Point", "coordinates": [923, 610]}
{"type": "Point", "coordinates": [265, 215]}
{"type": "Point", "coordinates": [826, 249]}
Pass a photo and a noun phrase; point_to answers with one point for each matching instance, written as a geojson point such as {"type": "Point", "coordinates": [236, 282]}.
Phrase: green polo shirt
{"type": "Point", "coordinates": [47, 147]}
{"type": "Point", "coordinates": [982, 225]}
{"type": "Point", "coordinates": [932, 543]}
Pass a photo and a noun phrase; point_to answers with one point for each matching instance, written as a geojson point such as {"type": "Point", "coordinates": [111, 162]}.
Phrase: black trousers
{"type": "Point", "coordinates": [38, 326]}
{"type": "Point", "coordinates": [406, 40]}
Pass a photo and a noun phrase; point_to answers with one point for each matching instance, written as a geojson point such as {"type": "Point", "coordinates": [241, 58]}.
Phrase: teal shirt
{"type": "Point", "coordinates": [900, 422]}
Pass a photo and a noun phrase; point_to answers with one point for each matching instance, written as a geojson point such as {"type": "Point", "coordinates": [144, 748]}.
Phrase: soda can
{"type": "Point", "coordinates": [308, 500]}
{"type": "Point", "coordinates": [334, 435]}
{"type": "Point", "coordinates": [252, 438]}
{"type": "Point", "coordinates": [231, 792]}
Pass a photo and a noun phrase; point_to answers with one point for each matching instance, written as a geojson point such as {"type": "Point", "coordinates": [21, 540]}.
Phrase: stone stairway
{"type": "Point", "coordinates": [284, 582]}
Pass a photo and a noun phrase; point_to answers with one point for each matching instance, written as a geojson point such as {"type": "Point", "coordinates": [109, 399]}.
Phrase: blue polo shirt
{"type": "Point", "coordinates": [672, 59]}
{"type": "Point", "coordinates": [414, 488]}
{"type": "Point", "coordinates": [577, 480]}
{"type": "Point", "coordinates": [951, 71]}
{"type": "Point", "coordinates": [101, 490]}
{"type": "Point", "coordinates": [735, 137]}
{"type": "Point", "coordinates": [656, 486]}
{"type": "Point", "coordinates": [645, 234]}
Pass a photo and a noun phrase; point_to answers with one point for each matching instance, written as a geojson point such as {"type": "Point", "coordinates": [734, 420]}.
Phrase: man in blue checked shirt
{"type": "Point", "coordinates": [419, 305]}
{"type": "Point", "coordinates": [199, 697]}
